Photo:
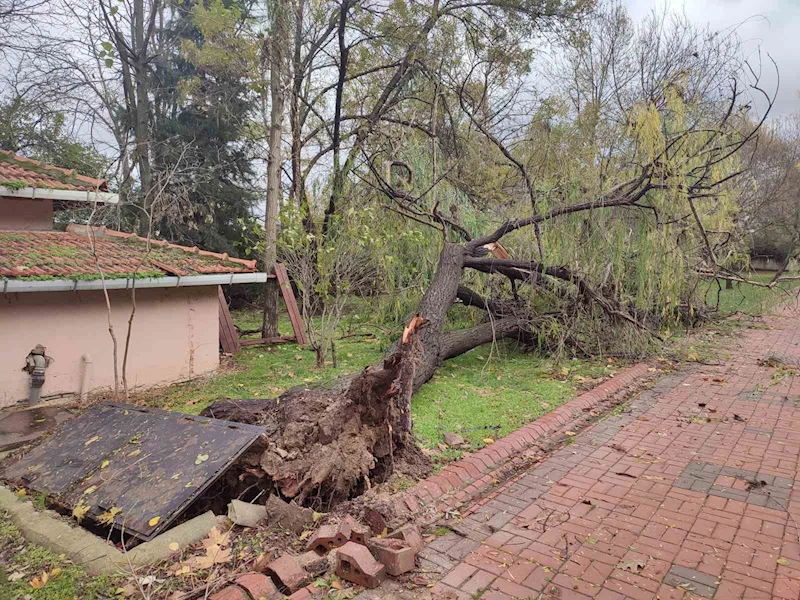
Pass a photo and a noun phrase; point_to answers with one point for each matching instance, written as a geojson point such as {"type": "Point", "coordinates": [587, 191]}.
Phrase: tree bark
{"type": "Point", "coordinates": [297, 191]}
{"type": "Point", "coordinates": [337, 191]}
{"type": "Point", "coordinates": [784, 265]}
{"type": "Point", "coordinates": [279, 42]}
{"type": "Point", "coordinates": [142, 109]}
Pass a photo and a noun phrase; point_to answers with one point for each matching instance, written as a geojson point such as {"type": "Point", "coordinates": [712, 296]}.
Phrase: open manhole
{"type": "Point", "coordinates": [131, 468]}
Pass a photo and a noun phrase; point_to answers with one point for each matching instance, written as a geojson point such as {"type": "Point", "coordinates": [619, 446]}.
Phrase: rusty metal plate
{"type": "Point", "coordinates": [138, 467]}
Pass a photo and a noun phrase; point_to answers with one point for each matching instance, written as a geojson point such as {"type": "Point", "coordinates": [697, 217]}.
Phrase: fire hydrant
{"type": "Point", "coordinates": [35, 364]}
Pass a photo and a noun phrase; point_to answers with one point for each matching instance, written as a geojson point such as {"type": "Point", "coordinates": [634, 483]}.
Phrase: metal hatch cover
{"type": "Point", "coordinates": [138, 467]}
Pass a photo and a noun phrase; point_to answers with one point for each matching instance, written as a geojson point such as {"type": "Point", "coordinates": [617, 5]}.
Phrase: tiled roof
{"type": "Point", "coordinates": [68, 255]}
{"type": "Point", "coordinates": [14, 167]}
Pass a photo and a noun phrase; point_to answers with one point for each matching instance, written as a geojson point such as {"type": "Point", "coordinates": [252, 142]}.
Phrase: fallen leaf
{"type": "Point", "coordinates": [107, 518]}
{"type": "Point", "coordinates": [154, 521]}
{"type": "Point", "coordinates": [174, 546]}
{"type": "Point", "coordinates": [782, 561]}
{"type": "Point", "coordinates": [634, 566]}
{"type": "Point", "coordinates": [298, 357]}
{"type": "Point", "coordinates": [89, 490]}
{"type": "Point", "coordinates": [591, 540]}
{"type": "Point", "coordinates": [105, 463]}
{"type": "Point", "coordinates": [317, 516]}
{"type": "Point", "coordinates": [570, 433]}
{"type": "Point", "coordinates": [488, 440]}
{"type": "Point", "coordinates": [217, 538]}
{"type": "Point", "coordinates": [128, 590]}
{"type": "Point", "coordinates": [136, 452]}
{"type": "Point", "coordinates": [16, 576]}
{"type": "Point", "coordinates": [336, 584]}
{"type": "Point", "coordinates": [38, 583]}
{"type": "Point", "coordinates": [91, 440]}
{"type": "Point", "coordinates": [21, 492]}
{"type": "Point", "coordinates": [453, 439]}
{"type": "Point", "coordinates": [201, 458]}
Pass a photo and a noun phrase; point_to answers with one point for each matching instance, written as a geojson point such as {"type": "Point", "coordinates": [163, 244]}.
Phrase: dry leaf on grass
{"type": "Point", "coordinates": [38, 583]}
{"type": "Point", "coordinates": [215, 555]}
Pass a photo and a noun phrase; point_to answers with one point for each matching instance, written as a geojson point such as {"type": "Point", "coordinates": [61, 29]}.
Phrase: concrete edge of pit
{"type": "Point", "coordinates": [90, 551]}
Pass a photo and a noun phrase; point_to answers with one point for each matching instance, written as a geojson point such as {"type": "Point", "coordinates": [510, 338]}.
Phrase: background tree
{"type": "Point", "coordinates": [771, 192]}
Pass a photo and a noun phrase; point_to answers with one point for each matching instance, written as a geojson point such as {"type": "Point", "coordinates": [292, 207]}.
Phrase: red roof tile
{"type": "Point", "coordinates": [14, 167]}
{"type": "Point", "coordinates": [68, 255]}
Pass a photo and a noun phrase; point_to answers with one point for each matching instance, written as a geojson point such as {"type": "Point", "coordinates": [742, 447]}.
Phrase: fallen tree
{"type": "Point", "coordinates": [619, 243]}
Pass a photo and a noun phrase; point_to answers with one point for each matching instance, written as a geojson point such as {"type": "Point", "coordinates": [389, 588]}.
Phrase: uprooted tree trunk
{"type": "Point", "coordinates": [331, 443]}
{"type": "Point", "coordinates": [328, 444]}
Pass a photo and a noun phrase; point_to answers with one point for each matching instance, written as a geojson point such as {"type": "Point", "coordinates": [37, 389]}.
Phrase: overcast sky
{"type": "Point", "coordinates": [772, 25]}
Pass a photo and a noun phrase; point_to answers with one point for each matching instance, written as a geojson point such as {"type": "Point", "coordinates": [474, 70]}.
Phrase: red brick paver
{"type": "Point", "coordinates": [688, 494]}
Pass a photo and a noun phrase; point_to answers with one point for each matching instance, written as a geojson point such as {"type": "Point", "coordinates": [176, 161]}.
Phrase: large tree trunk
{"type": "Point", "coordinates": [142, 113]}
{"type": "Point", "coordinates": [280, 40]}
{"type": "Point", "coordinates": [326, 445]}
{"type": "Point", "coordinates": [331, 443]}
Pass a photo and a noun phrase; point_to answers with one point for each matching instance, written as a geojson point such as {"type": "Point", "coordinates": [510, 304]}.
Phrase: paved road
{"type": "Point", "coordinates": [687, 495]}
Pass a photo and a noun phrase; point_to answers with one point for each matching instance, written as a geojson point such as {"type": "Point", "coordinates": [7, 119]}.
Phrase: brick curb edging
{"type": "Point", "coordinates": [472, 475]}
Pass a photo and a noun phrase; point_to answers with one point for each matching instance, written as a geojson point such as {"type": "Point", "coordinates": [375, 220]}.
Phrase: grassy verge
{"type": "Point", "coordinates": [749, 299]}
{"type": "Point", "coordinates": [28, 571]}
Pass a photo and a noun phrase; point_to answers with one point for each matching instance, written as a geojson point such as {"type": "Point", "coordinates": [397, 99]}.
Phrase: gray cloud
{"type": "Point", "coordinates": [771, 27]}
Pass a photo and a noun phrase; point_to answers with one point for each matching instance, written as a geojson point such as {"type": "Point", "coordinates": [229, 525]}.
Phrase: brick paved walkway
{"type": "Point", "coordinates": [685, 495]}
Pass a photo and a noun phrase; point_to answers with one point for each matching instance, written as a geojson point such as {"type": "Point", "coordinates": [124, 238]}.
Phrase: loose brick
{"type": "Point", "coordinates": [329, 537]}
{"type": "Point", "coordinates": [395, 554]}
{"type": "Point", "coordinates": [287, 574]}
{"type": "Point", "coordinates": [258, 586]}
{"type": "Point", "coordinates": [356, 564]}
{"type": "Point", "coordinates": [358, 533]}
{"type": "Point", "coordinates": [410, 534]}
{"type": "Point", "coordinates": [232, 592]}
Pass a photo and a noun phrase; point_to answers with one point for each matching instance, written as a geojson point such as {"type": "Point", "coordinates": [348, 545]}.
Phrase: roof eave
{"type": "Point", "coordinates": [35, 193]}
{"type": "Point", "coordinates": [17, 286]}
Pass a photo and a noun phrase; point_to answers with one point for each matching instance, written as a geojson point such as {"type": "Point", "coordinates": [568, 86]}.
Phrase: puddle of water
{"type": "Point", "coordinates": [19, 427]}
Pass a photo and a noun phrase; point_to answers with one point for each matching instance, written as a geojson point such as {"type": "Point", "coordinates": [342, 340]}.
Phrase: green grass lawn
{"type": "Point", "coordinates": [482, 394]}
{"type": "Point", "coordinates": [23, 565]}
{"type": "Point", "coordinates": [750, 299]}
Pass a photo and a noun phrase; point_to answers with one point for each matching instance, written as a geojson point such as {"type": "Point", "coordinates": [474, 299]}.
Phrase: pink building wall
{"type": "Point", "coordinates": [175, 337]}
{"type": "Point", "coordinates": [22, 214]}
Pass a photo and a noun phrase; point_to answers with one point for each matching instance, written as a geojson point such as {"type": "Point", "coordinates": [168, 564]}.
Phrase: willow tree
{"type": "Point", "coordinates": [610, 212]}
